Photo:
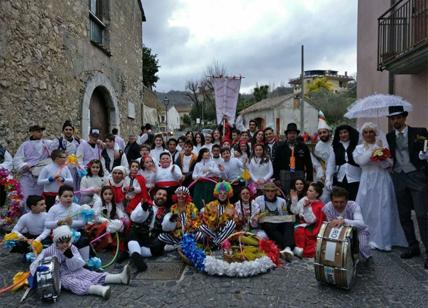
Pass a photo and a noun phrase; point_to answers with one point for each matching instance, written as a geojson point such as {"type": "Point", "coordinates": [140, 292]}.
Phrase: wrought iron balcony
{"type": "Point", "coordinates": [403, 37]}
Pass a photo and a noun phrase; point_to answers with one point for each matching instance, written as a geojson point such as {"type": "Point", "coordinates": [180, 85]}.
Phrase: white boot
{"type": "Point", "coordinates": [122, 278]}
{"type": "Point", "coordinates": [169, 248]}
{"type": "Point", "coordinates": [99, 290]}
{"type": "Point", "coordinates": [298, 252]}
{"type": "Point", "coordinates": [287, 254]}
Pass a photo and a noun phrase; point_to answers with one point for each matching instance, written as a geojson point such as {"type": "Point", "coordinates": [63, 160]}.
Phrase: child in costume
{"type": "Point", "coordinates": [310, 218]}
{"type": "Point", "coordinates": [148, 171]}
{"type": "Point", "coordinates": [65, 212]}
{"type": "Point", "coordinates": [134, 187]}
{"type": "Point", "coordinates": [53, 176]}
{"type": "Point", "coordinates": [110, 218]}
{"type": "Point", "coordinates": [117, 182]}
{"type": "Point", "coordinates": [206, 172]}
{"type": "Point", "coordinates": [74, 277]}
{"type": "Point", "coordinates": [217, 216]}
{"type": "Point", "coordinates": [168, 175]}
{"type": "Point", "coordinates": [92, 182]}
{"type": "Point", "coordinates": [31, 226]}
{"type": "Point", "coordinates": [182, 218]}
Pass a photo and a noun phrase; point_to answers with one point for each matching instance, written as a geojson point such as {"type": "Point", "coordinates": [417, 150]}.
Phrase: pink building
{"type": "Point", "coordinates": [392, 53]}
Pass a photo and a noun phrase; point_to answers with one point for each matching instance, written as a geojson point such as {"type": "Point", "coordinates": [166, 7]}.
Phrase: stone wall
{"type": "Point", "coordinates": [47, 61]}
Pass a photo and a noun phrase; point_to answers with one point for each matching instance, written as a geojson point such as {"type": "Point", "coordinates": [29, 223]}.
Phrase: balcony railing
{"type": "Point", "coordinates": [403, 36]}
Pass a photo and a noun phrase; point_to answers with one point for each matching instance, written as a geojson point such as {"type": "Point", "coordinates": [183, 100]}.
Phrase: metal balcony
{"type": "Point", "coordinates": [403, 37]}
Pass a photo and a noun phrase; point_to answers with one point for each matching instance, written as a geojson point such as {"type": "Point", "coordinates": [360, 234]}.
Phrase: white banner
{"type": "Point", "coordinates": [226, 91]}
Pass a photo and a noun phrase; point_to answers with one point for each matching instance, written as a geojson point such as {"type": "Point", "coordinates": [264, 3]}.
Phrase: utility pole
{"type": "Point", "coordinates": [302, 93]}
{"type": "Point", "coordinates": [166, 103]}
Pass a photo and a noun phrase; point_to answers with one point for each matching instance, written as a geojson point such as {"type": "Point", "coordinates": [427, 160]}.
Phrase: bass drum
{"type": "Point", "coordinates": [336, 256]}
{"type": "Point", "coordinates": [48, 279]}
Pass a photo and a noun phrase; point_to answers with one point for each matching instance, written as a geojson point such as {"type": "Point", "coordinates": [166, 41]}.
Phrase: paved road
{"type": "Point", "coordinates": [387, 282]}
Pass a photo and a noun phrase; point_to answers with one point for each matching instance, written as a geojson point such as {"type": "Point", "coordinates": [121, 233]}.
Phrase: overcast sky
{"type": "Point", "coordinates": [259, 39]}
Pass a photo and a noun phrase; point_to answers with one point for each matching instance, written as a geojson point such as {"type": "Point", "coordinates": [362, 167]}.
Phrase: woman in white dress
{"type": "Point", "coordinates": [376, 195]}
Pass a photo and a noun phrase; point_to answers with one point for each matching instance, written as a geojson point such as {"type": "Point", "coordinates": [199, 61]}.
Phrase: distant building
{"type": "Point", "coordinates": [339, 82]}
{"type": "Point", "coordinates": [392, 54]}
{"type": "Point", "coordinates": [70, 60]}
{"type": "Point", "coordinates": [152, 108]}
{"type": "Point", "coordinates": [277, 112]}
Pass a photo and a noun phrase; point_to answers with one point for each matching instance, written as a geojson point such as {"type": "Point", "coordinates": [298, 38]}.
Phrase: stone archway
{"type": "Point", "coordinates": [101, 93]}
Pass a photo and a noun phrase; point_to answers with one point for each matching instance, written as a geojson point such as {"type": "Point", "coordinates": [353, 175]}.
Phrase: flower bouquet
{"type": "Point", "coordinates": [381, 154]}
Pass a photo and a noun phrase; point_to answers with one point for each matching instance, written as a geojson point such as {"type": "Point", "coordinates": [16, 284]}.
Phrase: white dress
{"type": "Point", "coordinates": [376, 197]}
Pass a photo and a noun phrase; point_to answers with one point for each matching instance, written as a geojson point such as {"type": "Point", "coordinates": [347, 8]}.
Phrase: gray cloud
{"type": "Point", "coordinates": [272, 58]}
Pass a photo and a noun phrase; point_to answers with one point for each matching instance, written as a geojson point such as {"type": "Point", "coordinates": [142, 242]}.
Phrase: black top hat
{"type": "Point", "coordinates": [292, 127]}
{"type": "Point", "coordinates": [396, 110]}
{"type": "Point", "coordinates": [35, 128]}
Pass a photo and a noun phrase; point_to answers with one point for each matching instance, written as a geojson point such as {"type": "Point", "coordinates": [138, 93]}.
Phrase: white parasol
{"type": "Point", "coordinates": [375, 106]}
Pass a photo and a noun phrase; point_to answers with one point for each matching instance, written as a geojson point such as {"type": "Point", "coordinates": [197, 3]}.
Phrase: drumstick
{"type": "Point", "coordinates": [425, 145]}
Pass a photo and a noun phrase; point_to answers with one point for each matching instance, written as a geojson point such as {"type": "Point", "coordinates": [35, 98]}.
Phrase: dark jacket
{"type": "Point", "coordinates": [339, 150]}
{"type": "Point", "coordinates": [132, 151]}
{"type": "Point", "coordinates": [303, 159]}
{"type": "Point", "coordinates": [416, 137]}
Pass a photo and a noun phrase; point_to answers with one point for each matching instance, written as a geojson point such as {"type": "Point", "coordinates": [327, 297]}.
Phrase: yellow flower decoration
{"type": "Point", "coordinates": [11, 236]}
{"type": "Point", "coordinates": [20, 280]}
{"type": "Point", "coordinates": [37, 246]}
{"type": "Point", "coordinates": [72, 159]}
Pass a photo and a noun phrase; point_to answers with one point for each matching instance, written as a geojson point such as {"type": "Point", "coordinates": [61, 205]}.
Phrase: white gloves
{"type": "Point", "coordinates": [114, 226]}
{"type": "Point", "coordinates": [423, 155]}
{"type": "Point", "coordinates": [328, 184]}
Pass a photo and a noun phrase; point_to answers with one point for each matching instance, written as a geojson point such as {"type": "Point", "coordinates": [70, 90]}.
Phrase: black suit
{"type": "Point", "coordinates": [132, 151]}
{"type": "Point", "coordinates": [303, 167]}
{"type": "Point", "coordinates": [411, 187]}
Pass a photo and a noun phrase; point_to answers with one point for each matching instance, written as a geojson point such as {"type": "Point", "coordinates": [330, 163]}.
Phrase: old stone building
{"type": "Point", "coordinates": [79, 60]}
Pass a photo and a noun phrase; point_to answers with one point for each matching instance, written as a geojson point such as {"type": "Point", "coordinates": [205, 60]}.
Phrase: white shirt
{"type": "Point", "coordinates": [186, 163]}
{"type": "Point", "coordinates": [59, 211]}
{"type": "Point", "coordinates": [351, 172]}
{"type": "Point", "coordinates": [304, 212]}
{"type": "Point", "coordinates": [140, 216]}
{"type": "Point", "coordinates": [205, 168]}
{"type": "Point", "coordinates": [51, 171]}
{"type": "Point", "coordinates": [8, 162]}
{"type": "Point", "coordinates": [123, 161]}
{"type": "Point", "coordinates": [171, 173]}
{"type": "Point", "coordinates": [33, 224]}
{"type": "Point", "coordinates": [131, 194]}
{"type": "Point", "coordinates": [98, 208]}
{"type": "Point", "coordinates": [149, 176]}
{"type": "Point", "coordinates": [88, 182]}
{"type": "Point", "coordinates": [156, 152]}
{"type": "Point", "coordinates": [232, 169]}
{"type": "Point", "coordinates": [260, 171]}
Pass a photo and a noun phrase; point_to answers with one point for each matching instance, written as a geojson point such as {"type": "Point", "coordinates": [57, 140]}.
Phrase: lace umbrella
{"type": "Point", "coordinates": [375, 106]}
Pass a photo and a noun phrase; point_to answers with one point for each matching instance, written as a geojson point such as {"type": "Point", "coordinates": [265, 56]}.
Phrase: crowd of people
{"type": "Point", "coordinates": [151, 192]}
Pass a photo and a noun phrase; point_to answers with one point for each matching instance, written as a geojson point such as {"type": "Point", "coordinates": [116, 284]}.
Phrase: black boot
{"type": "Point", "coordinates": [411, 252]}
{"type": "Point", "coordinates": [139, 262]}
{"type": "Point", "coordinates": [122, 256]}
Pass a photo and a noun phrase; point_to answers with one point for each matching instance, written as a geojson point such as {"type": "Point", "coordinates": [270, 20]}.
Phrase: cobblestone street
{"type": "Point", "coordinates": [386, 282]}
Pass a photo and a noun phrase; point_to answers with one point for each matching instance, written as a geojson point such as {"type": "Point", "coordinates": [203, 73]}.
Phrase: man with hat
{"type": "Point", "coordinates": [273, 217]}
{"type": "Point", "coordinates": [342, 170]}
{"type": "Point", "coordinates": [31, 156]}
{"type": "Point", "coordinates": [91, 149]}
{"type": "Point", "coordinates": [68, 142]}
{"type": "Point", "coordinates": [292, 159]}
{"type": "Point", "coordinates": [322, 152]}
{"type": "Point", "coordinates": [409, 177]}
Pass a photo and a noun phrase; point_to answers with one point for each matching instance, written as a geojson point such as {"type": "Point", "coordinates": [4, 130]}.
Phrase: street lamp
{"type": "Point", "coordinates": [166, 103]}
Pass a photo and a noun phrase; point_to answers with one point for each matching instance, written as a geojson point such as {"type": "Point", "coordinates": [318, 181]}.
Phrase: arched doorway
{"type": "Point", "coordinates": [99, 113]}
{"type": "Point", "coordinates": [260, 123]}
{"type": "Point", "coordinates": [99, 105]}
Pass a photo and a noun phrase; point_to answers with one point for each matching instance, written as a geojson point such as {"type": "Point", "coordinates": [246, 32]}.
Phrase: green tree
{"type": "Point", "coordinates": [261, 92]}
{"type": "Point", "coordinates": [320, 83]}
{"type": "Point", "coordinates": [187, 122]}
{"type": "Point", "coordinates": [150, 68]}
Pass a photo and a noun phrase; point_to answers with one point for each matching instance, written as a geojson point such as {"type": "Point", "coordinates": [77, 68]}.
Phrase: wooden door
{"type": "Point", "coordinates": [99, 113]}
